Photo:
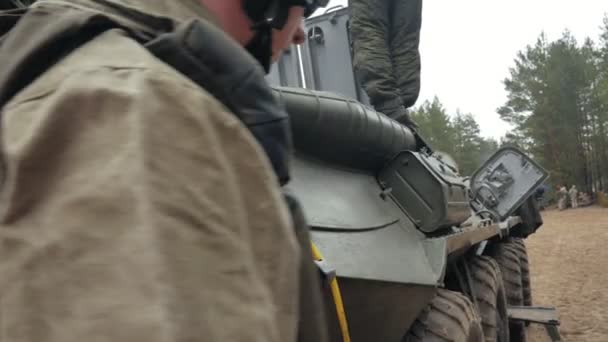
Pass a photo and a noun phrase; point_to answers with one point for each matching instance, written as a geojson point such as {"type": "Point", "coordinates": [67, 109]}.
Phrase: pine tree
{"type": "Point", "coordinates": [557, 101]}
{"type": "Point", "coordinates": [467, 143]}
{"type": "Point", "coordinates": [435, 125]}
{"type": "Point", "coordinates": [459, 137]}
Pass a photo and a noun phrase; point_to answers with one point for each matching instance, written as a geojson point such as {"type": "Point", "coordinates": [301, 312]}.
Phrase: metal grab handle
{"type": "Point", "coordinates": [332, 19]}
{"type": "Point", "coordinates": [333, 8]}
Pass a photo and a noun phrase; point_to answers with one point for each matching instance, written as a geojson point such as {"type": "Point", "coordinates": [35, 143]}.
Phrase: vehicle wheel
{"type": "Point", "coordinates": [489, 292]}
{"type": "Point", "coordinates": [525, 271]}
{"type": "Point", "coordinates": [506, 255]}
{"type": "Point", "coordinates": [449, 317]}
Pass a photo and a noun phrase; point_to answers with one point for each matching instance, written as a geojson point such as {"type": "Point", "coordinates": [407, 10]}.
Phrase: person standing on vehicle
{"type": "Point", "coordinates": [385, 36]}
{"type": "Point", "coordinates": [142, 159]}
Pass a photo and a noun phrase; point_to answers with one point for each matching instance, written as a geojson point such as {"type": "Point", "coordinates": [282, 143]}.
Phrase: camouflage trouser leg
{"type": "Point", "coordinates": [369, 28]}
{"type": "Point", "coordinates": [404, 41]}
{"type": "Point", "coordinates": [385, 35]}
{"type": "Point", "coordinates": [574, 201]}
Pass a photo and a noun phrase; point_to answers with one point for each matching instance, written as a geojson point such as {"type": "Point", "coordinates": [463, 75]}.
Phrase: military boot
{"type": "Point", "coordinates": [401, 115]}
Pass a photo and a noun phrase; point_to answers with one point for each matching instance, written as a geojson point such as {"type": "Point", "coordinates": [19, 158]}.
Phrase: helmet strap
{"type": "Point", "coordinates": [266, 16]}
{"type": "Point", "coordinates": [260, 46]}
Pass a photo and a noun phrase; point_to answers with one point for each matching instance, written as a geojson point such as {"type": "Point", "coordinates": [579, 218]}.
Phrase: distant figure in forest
{"type": "Point", "coordinates": [584, 199]}
{"type": "Point", "coordinates": [573, 192]}
{"type": "Point", "coordinates": [562, 196]}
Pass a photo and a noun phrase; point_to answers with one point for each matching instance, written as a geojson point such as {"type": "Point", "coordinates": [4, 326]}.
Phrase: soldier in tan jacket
{"type": "Point", "coordinates": [135, 204]}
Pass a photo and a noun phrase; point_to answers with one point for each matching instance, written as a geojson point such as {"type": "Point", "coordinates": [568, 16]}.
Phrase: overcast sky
{"type": "Point", "coordinates": [468, 46]}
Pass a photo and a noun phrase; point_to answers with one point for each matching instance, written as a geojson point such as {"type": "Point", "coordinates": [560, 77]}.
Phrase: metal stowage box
{"type": "Point", "coordinates": [431, 194]}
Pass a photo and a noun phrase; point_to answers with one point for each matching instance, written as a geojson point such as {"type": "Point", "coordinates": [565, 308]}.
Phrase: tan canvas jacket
{"type": "Point", "coordinates": [134, 206]}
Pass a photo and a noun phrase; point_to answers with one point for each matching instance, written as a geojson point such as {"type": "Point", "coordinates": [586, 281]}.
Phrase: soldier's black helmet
{"type": "Point", "coordinates": [267, 15]}
{"type": "Point", "coordinates": [275, 12]}
{"type": "Point", "coordinates": [311, 6]}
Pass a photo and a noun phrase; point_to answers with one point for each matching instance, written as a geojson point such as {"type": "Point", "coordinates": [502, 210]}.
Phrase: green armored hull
{"type": "Point", "coordinates": [408, 237]}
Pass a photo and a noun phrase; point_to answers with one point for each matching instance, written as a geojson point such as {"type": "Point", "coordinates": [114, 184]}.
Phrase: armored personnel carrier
{"type": "Point", "coordinates": [410, 249]}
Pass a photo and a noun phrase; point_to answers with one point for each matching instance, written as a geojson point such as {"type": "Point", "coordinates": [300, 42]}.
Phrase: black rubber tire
{"type": "Point", "coordinates": [449, 317]}
{"type": "Point", "coordinates": [489, 293]}
{"type": "Point", "coordinates": [525, 271]}
{"type": "Point", "coordinates": [506, 255]}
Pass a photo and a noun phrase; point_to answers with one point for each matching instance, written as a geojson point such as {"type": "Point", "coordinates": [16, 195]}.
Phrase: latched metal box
{"type": "Point", "coordinates": [432, 194]}
{"type": "Point", "coordinates": [505, 181]}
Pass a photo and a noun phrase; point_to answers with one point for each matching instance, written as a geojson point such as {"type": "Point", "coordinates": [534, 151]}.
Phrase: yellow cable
{"type": "Point", "coordinates": [335, 292]}
{"type": "Point", "coordinates": [316, 254]}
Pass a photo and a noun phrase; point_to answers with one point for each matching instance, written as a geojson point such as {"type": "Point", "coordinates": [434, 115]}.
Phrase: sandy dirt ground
{"type": "Point", "coordinates": [569, 268]}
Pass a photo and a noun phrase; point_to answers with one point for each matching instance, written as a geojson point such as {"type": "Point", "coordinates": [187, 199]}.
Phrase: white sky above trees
{"type": "Point", "coordinates": [468, 46]}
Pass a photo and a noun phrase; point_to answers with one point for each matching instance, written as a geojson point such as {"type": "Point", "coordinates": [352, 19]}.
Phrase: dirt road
{"type": "Point", "coordinates": [569, 267]}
